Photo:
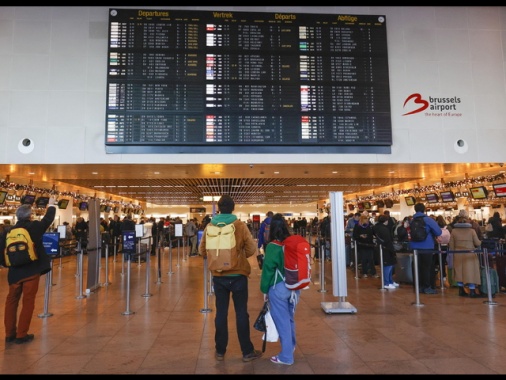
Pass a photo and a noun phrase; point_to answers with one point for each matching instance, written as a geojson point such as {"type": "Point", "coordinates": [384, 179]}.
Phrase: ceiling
{"type": "Point", "coordinates": [186, 184]}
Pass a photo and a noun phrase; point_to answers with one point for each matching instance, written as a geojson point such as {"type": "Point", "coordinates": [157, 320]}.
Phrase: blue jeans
{"type": "Point", "coordinates": [388, 271]}
{"type": "Point", "coordinates": [238, 286]}
{"type": "Point", "coordinates": [282, 311]}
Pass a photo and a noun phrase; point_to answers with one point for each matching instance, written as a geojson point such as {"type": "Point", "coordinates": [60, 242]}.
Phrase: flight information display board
{"type": "Point", "coordinates": [182, 81]}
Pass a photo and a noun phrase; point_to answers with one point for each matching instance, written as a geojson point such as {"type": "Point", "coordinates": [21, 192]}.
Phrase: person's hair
{"type": "Point", "coordinates": [24, 212]}
{"type": "Point", "coordinates": [382, 219]}
{"type": "Point", "coordinates": [419, 207]}
{"type": "Point", "coordinates": [364, 219]}
{"type": "Point", "coordinates": [226, 204]}
{"type": "Point", "coordinates": [270, 214]}
{"type": "Point", "coordinates": [441, 222]}
{"type": "Point", "coordinates": [279, 228]}
{"type": "Point", "coordinates": [386, 212]}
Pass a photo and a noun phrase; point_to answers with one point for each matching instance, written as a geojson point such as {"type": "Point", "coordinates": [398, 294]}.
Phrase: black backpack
{"type": "Point", "coordinates": [418, 229]}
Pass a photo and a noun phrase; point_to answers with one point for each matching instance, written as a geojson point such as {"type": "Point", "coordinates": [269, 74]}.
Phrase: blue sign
{"type": "Point", "coordinates": [128, 242]}
{"type": "Point", "coordinates": [51, 243]}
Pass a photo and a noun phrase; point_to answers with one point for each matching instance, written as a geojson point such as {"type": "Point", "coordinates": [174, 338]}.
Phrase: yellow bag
{"type": "Point", "coordinates": [220, 247]}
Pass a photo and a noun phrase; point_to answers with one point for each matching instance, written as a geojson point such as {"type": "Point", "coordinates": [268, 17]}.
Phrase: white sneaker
{"type": "Point", "coordinates": [396, 284]}
{"type": "Point", "coordinates": [390, 286]}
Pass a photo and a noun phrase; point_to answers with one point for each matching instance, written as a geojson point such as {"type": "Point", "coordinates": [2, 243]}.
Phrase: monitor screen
{"type": "Point", "coordinates": [108, 208]}
{"type": "Point", "coordinates": [3, 195]}
{"type": "Point", "coordinates": [410, 200]}
{"type": "Point", "coordinates": [478, 192]}
{"type": "Point", "coordinates": [63, 203]}
{"type": "Point", "coordinates": [367, 205]}
{"type": "Point", "coordinates": [27, 199]}
{"type": "Point", "coordinates": [62, 230]}
{"type": "Point", "coordinates": [83, 206]}
{"type": "Point", "coordinates": [116, 209]}
{"type": "Point", "coordinates": [102, 208]}
{"type": "Point", "coordinates": [432, 197]}
{"type": "Point", "coordinates": [41, 201]}
{"type": "Point", "coordinates": [500, 189]}
{"type": "Point", "coordinates": [389, 203]}
{"type": "Point", "coordinates": [447, 196]}
{"type": "Point", "coordinates": [380, 203]}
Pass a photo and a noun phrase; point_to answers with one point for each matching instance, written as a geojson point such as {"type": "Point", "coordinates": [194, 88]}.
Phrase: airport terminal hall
{"type": "Point", "coordinates": [252, 190]}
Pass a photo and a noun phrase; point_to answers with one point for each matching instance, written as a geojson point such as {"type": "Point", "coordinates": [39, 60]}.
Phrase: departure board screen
{"type": "Point", "coordinates": [182, 81]}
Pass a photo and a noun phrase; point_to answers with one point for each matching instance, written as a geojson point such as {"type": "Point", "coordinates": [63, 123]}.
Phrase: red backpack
{"type": "Point", "coordinates": [297, 262]}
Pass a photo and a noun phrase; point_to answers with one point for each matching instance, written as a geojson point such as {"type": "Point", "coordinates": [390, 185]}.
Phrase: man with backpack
{"type": "Point", "coordinates": [263, 232]}
{"type": "Point", "coordinates": [425, 247]}
{"type": "Point", "coordinates": [24, 279]}
{"type": "Point", "coordinates": [232, 281]}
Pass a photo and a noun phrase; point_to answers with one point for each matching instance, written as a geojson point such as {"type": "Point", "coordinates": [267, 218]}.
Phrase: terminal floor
{"type": "Point", "coordinates": [163, 324]}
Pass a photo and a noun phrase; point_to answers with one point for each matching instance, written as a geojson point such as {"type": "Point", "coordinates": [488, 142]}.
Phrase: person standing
{"type": "Point", "coordinates": [232, 282]}
{"type": "Point", "coordinates": [191, 233]}
{"type": "Point", "coordinates": [466, 266]}
{"type": "Point", "coordinates": [425, 250]}
{"type": "Point", "coordinates": [24, 280]}
{"type": "Point", "coordinates": [263, 231]}
{"type": "Point", "coordinates": [384, 234]}
{"type": "Point", "coordinates": [282, 301]}
{"type": "Point", "coordinates": [363, 235]}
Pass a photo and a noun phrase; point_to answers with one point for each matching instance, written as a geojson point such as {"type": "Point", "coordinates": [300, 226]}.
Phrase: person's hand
{"type": "Point", "coordinates": [52, 201]}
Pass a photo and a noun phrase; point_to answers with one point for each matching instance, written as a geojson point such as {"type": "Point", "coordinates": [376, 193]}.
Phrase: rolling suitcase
{"type": "Point", "coordinates": [403, 271]}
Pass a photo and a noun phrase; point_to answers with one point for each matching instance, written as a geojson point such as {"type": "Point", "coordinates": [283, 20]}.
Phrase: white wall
{"type": "Point", "coordinates": [53, 63]}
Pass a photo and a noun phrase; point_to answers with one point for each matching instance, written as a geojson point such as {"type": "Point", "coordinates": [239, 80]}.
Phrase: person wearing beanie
{"type": "Point", "coordinates": [24, 279]}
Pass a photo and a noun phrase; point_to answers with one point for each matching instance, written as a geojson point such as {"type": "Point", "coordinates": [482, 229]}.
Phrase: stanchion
{"type": "Point", "coordinates": [322, 269]}
{"type": "Point", "coordinates": [148, 261]}
{"type": "Point", "coordinates": [415, 279]}
{"type": "Point", "coordinates": [206, 308]}
{"type": "Point", "coordinates": [441, 277]}
{"type": "Point", "coordinates": [158, 252]}
{"type": "Point", "coordinates": [381, 269]}
{"type": "Point", "coordinates": [356, 259]}
{"type": "Point", "coordinates": [170, 260]}
{"type": "Point", "coordinates": [106, 282]}
{"type": "Point", "coordinates": [79, 274]}
{"type": "Point", "coordinates": [127, 309]}
{"type": "Point", "coordinates": [49, 279]}
{"type": "Point", "coordinates": [489, 301]}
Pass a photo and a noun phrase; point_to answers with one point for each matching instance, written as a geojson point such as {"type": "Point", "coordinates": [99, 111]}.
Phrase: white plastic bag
{"type": "Point", "coordinates": [272, 331]}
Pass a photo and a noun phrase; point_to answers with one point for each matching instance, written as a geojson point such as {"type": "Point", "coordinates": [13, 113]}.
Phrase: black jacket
{"type": "Point", "coordinates": [36, 229]}
{"type": "Point", "coordinates": [384, 237]}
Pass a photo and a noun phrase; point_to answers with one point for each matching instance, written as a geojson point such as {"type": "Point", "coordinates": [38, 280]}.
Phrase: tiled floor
{"type": "Point", "coordinates": [163, 325]}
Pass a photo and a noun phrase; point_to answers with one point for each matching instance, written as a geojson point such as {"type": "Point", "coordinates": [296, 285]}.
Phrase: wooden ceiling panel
{"type": "Point", "coordinates": [186, 184]}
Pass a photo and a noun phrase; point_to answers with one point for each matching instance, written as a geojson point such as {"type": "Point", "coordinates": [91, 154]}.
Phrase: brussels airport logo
{"type": "Point", "coordinates": [431, 106]}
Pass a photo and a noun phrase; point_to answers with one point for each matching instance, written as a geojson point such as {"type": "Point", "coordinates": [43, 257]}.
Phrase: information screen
{"type": "Point", "coordinates": [215, 81]}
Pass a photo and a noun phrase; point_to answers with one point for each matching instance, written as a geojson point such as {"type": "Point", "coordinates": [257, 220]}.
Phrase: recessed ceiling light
{"type": "Point", "coordinates": [95, 173]}
{"type": "Point", "coordinates": [276, 172]}
{"type": "Point", "coordinates": [334, 172]}
{"type": "Point", "coordinates": [157, 173]}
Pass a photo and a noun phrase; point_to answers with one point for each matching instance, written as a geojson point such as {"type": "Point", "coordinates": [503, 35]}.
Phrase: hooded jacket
{"type": "Point", "coordinates": [244, 242]}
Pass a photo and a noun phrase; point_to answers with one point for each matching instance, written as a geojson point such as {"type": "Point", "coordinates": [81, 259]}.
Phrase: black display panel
{"type": "Point", "coordinates": [432, 197]}
{"type": "Point", "coordinates": [447, 196]}
{"type": "Point", "coordinates": [183, 81]}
